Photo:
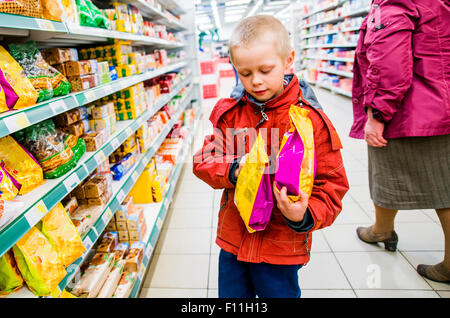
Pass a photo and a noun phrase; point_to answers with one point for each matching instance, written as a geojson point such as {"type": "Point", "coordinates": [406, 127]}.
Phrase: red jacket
{"type": "Point", "coordinates": [402, 68]}
{"type": "Point", "coordinates": [278, 243]}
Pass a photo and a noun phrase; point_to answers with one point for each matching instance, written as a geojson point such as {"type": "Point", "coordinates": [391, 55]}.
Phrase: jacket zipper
{"type": "Point", "coordinates": [306, 245]}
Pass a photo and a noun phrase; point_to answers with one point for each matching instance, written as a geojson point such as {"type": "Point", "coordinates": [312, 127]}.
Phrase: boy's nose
{"type": "Point", "coordinates": [256, 80]}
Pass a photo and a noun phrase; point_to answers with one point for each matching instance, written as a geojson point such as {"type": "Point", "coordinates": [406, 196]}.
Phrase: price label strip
{"type": "Point", "coordinates": [16, 122]}
{"type": "Point", "coordinates": [36, 213]}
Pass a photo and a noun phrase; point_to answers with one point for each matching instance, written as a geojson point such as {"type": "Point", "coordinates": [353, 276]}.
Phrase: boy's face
{"type": "Point", "coordinates": [261, 69]}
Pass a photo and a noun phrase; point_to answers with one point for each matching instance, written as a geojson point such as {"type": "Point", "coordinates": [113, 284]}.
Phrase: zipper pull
{"type": "Point", "coordinates": [264, 115]}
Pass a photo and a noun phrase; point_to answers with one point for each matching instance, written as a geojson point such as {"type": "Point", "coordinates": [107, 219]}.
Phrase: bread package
{"type": "Point", "coordinates": [126, 284]}
{"type": "Point", "coordinates": [134, 257]}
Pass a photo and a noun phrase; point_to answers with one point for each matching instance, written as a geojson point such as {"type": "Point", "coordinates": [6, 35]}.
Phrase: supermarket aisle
{"type": "Point", "coordinates": [185, 259]}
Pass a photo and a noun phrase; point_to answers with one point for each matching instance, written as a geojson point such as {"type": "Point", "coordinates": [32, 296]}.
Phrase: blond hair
{"type": "Point", "coordinates": [259, 27]}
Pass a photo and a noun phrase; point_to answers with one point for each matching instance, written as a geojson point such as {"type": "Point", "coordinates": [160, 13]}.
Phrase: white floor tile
{"type": "Point", "coordinates": [319, 244]}
{"type": "Point", "coordinates": [352, 213]}
{"type": "Point", "coordinates": [390, 293]}
{"type": "Point", "coordinates": [380, 270]}
{"type": "Point", "coordinates": [429, 258]}
{"type": "Point", "coordinates": [213, 293]}
{"type": "Point", "coordinates": [178, 271]}
{"type": "Point", "coordinates": [173, 293]}
{"type": "Point", "coordinates": [184, 241]}
{"type": "Point", "coordinates": [193, 200]}
{"type": "Point", "coordinates": [327, 293]}
{"type": "Point", "coordinates": [444, 294]}
{"type": "Point", "coordinates": [420, 236]}
{"type": "Point", "coordinates": [213, 271]}
{"type": "Point", "coordinates": [322, 272]}
{"type": "Point", "coordinates": [189, 218]}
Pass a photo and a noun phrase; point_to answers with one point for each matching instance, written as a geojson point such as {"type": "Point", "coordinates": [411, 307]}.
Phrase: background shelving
{"type": "Point", "coordinates": [325, 36]}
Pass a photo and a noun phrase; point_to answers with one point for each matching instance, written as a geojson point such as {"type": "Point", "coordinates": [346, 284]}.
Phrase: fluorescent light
{"type": "Point", "coordinates": [216, 13]}
{"type": "Point", "coordinates": [255, 8]}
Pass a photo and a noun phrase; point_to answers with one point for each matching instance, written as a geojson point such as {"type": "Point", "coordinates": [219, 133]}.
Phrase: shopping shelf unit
{"type": "Point", "coordinates": [41, 200]}
{"type": "Point", "coordinates": [156, 213]}
{"type": "Point", "coordinates": [318, 41]}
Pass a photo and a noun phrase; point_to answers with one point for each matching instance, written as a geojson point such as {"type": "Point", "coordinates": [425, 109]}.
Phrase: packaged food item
{"type": "Point", "coordinates": [253, 194]}
{"type": "Point", "coordinates": [71, 205]}
{"type": "Point", "coordinates": [134, 257]}
{"type": "Point", "coordinates": [82, 82]}
{"type": "Point", "coordinates": [142, 190]}
{"type": "Point", "coordinates": [66, 294]}
{"type": "Point", "coordinates": [47, 81]}
{"type": "Point", "coordinates": [125, 286]}
{"type": "Point", "coordinates": [83, 67]}
{"type": "Point", "coordinates": [59, 56]}
{"type": "Point", "coordinates": [77, 129]}
{"type": "Point", "coordinates": [123, 166]}
{"type": "Point", "coordinates": [9, 188]}
{"type": "Point", "coordinates": [95, 275]}
{"type": "Point", "coordinates": [38, 262]}
{"type": "Point", "coordinates": [93, 140]}
{"type": "Point", "coordinates": [84, 217]}
{"type": "Point", "coordinates": [20, 165]}
{"type": "Point", "coordinates": [97, 185]}
{"type": "Point", "coordinates": [296, 159]}
{"type": "Point", "coordinates": [112, 280]}
{"type": "Point", "coordinates": [108, 242]}
{"type": "Point", "coordinates": [56, 151]}
{"type": "Point", "coordinates": [123, 235]}
{"type": "Point", "coordinates": [102, 111]}
{"type": "Point", "coordinates": [17, 92]}
{"type": "Point", "coordinates": [62, 234]}
{"type": "Point", "coordinates": [10, 278]}
{"type": "Point", "coordinates": [60, 10]}
{"type": "Point", "coordinates": [158, 186]}
{"type": "Point", "coordinates": [121, 250]}
{"type": "Point", "coordinates": [91, 16]}
{"type": "Point", "coordinates": [30, 8]}
{"type": "Point", "coordinates": [70, 117]}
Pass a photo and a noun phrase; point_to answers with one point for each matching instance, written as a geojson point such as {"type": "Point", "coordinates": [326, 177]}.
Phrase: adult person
{"type": "Point", "coordinates": [401, 107]}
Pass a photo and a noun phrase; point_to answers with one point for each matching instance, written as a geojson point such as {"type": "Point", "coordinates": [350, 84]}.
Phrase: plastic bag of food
{"type": "Point", "coordinates": [31, 8]}
{"type": "Point", "coordinates": [9, 187]}
{"type": "Point", "coordinates": [9, 210]}
{"type": "Point", "coordinates": [296, 160]}
{"type": "Point", "coordinates": [20, 165]}
{"type": "Point", "coordinates": [16, 89]}
{"type": "Point", "coordinates": [38, 262]}
{"type": "Point", "coordinates": [253, 194]}
{"type": "Point", "coordinates": [56, 151]}
{"type": "Point", "coordinates": [10, 278]}
{"type": "Point", "coordinates": [62, 234]}
{"type": "Point", "coordinates": [66, 294]}
{"type": "Point", "coordinates": [60, 10]}
{"type": "Point", "coordinates": [91, 16]}
{"type": "Point", "coordinates": [47, 80]}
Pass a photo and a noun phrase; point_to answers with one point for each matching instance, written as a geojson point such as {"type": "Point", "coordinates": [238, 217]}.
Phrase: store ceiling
{"type": "Point", "coordinates": [212, 14]}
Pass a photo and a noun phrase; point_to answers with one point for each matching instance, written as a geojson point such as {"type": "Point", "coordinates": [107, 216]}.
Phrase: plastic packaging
{"type": "Point", "coordinates": [253, 194]}
{"type": "Point", "coordinates": [8, 210]}
{"type": "Point", "coordinates": [9, 188]}
{"type": "Point", "coordinates": [46, 79]}
{"type": "Point", "coordinates": [56, 151]}
{"type": "Point", "coordinates": [10, 278]}
{"type": "Point", "coordinates": [17, 92]}
{"type": "Point", "coordinates": [91, 16]}
{"type": "Point", "coordinates": [21, 166]}
{"type": "Point", "coordinates": [296, 160]}
{"type": "Point", "coordinates": [30, 8]}
{"type": "Point", "coordinates": [38, 262]}
{"type": "Point", "coordinates": [62, 234]}
{"type": "Point", "coordinates": [60, 10]}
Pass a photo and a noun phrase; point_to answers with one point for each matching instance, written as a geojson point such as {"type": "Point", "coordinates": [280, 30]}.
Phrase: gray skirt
{"type": "Point", "coordinates": [411, 173]}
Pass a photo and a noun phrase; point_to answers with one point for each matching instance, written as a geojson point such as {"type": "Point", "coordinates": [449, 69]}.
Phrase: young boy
{"type": "Point", "coordinates": [265, 263]}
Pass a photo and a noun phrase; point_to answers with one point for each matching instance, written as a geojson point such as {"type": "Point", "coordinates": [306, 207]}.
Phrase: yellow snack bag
{"type": "Point", "coordinates": [17, 92]}
{"type": "Point", "coordinates": [38, 262]}
{"type": "Point", "coordinates": [20, 164]}
{"type": "Point", "coordinates": [10, 278]}
{"type": "Point", "coordinates": [62, 234]}
{"type": "Point", "coordinates": [253, 194]}
{"type": "Point", "coordinates": [142, 190]}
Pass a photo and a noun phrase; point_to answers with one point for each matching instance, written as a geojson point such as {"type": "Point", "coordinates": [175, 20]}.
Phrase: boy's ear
{"type": "Point", "coordinates": [290, 60]}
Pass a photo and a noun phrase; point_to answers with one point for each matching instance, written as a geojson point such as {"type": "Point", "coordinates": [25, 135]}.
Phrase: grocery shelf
{"type": "Point", "coordinates": [329, 58]}
{"type": "Point", "coordinates": [9, 22]}
{"type": "Point", "coordinates": [333, 89]}
{"type": "Point", "coordinates": [41, 200]}
{"type": "Point", "coordinates": [332, 6]}
{"type": "Point", "coordinates": [173, 6]}
{"type": "Point", "coordinates": [338, 18]}
{"type": "Point", "coordinates": [340, 73]}
{"type": "Point", "coordinates": [157, 211]}
{"type": "Point", "coordinates": [120, 191]}
{"type": "Point", "coordinates": [15, 120]}
{"type": "Point", "coordinates": [328, 45]}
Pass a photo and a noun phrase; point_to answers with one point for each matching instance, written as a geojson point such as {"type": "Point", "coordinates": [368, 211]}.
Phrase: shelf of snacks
{"type": "Point", "coordinates": [173, 6]}
{"type": "Point", "coordinates": [329, 58]}
{"type": "Point", "coordinates": [334, 89]}
{"type": "Point", "coordinates": [107, 218]}
{"type": "Point", "coordinates": [338, 17]}
{"type": "Point", "coordinates": [36, 203]}
{"type": "Point", "coordinates": [336, 72]}
{"type": "Point", "coordinates": [329, 5]}
{"type": "Point", "coordinates": [156, 212]}
{"type": "Point", "coordinates": [88, 218]}
{"type": "Point", "coordinates": [85, 72]}
{"type": "Point", "coordinates": [329, 45]}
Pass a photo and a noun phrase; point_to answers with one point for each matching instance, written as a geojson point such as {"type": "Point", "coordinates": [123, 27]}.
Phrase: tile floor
{"type": "Point", "coordinates": [185, 259]}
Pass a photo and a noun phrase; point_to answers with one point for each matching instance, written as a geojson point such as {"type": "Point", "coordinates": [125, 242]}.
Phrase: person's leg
{"type": "Point", "coordinates": [275, 281]}
{"type": "Point", "coordinates": [234, 278]}
{"type": "Point", "coordinates": [382, 230]}
{"type": "Point", "coordinates": [440, 272]}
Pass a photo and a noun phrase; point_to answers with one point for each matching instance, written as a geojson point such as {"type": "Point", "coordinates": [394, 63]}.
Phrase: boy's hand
{"type": "Point", "coordinates": [241, 164]}
{"type": "Point", "coordinates": [292, 211]}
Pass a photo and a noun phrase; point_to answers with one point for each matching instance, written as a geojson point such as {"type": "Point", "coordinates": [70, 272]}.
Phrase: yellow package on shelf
{"type": "Point", "coordinates": [142, 190]}
{"type": "Point", "coordinates": [38, 262]}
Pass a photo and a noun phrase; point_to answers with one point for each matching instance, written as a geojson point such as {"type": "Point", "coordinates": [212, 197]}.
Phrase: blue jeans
{"type": "Point", "coordinates": [247, 280]}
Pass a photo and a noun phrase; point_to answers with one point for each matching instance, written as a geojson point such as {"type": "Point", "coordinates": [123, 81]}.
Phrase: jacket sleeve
{"type": "Point", "coordinates": [213, 161]}
{"type": "Point", "coordinates": [330, 183]}
{"type": "Point", "coordinates": [389, 53]}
